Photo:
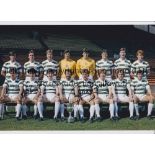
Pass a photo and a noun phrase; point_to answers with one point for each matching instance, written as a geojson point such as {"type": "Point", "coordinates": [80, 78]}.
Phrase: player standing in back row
{"type": "Point", "coordinates": [123, 63]}
{"type": "Point", "coordinates": [50, 64]}
{"type": "Point", "coordinates": [140, 64]}
{"type": "Point", "coordinates": [32, 64]}
{"type": "Point", "coordinates": [105, 64]}
{"type": "Point", "coordinates": [85, 63]}
{"type": "Point", "coordinates": [12, 63]}
{"type": "Point", "coordinates": [67, 63]}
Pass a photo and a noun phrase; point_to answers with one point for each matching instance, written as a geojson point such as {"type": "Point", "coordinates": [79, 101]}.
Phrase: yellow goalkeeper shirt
{"type": "Point", "coordinates": [85, 64]}
{"type": "Point", "coordinates": [67, 64]}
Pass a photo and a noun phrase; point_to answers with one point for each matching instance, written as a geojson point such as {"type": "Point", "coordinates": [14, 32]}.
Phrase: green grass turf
{"type": "Point", "coordinates": [10, 123]}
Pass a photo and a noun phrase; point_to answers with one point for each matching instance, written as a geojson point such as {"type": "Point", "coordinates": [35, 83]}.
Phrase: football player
{"type": "Point", "coordinates": [50, 92]}
{"type": "Point", "coordinates": [12, 63]}
{"type": "Point", "coordinates": [85, 87]}
{"type": "Point", "coordinates": [33, 64]}
{"type": "Point", "coordinates": [67, 63]}
{"type": "Point", "coordinates": [140, 64]}
{"type": "Point", "coordinates": [32, 93]}
{"type": "Point", "coordinates": [85, 63]}
{"type": "Point", "coordinates": [12, 92]}
{"type": "Point", "coordinates": [142, 93]}
{"type": "Point", "coordinates": [50, 63]}
{"type": "Point", "coordinates": [103, 93]}
{"type": "Point", "coordinates": [123, 63]}
{"type": "Point", "coordinates": [68, 93]}
{"type": "Point", "coordinates": [120, 87]}
{"type": "Point", "coordinates": [105, 64]}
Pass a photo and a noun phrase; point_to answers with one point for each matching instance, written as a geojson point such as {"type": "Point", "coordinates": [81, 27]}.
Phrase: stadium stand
{"type": "Point", "coordinates": [18, 41]}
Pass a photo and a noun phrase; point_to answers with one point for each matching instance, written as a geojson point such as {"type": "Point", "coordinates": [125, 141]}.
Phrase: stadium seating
{"type": "Point", "coordinates": [18, 41]}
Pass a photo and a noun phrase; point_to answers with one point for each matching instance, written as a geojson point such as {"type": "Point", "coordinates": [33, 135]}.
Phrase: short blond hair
{"type": "Point", "coordinates": [141, 52]}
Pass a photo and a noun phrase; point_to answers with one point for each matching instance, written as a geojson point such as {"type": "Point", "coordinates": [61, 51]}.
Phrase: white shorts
{"type": "Point", "coordinates": [122, 98]}
{"type": "Point", "coordinates": [140, 96]}
{"type": "Point", "coordinates": [31, 96]}
{"type": "Point", "coordinates": [50, 97]}
{"type": "Point", "coordinates": [86, 97]}
{"type": "Point", "coordinates": [12, 97]}
{"type": "Point", "coordinates": [104, 97]}
{"type": "Point", "coordinates": [69, 97]}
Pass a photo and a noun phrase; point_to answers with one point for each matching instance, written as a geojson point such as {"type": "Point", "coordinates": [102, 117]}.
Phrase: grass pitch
{"type": "Point", "coordinates": [10, 123]}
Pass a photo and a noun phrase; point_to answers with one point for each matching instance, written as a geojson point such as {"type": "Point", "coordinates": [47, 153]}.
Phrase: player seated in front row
{"type": "Point", "coordinates": [68, 92]}
{"type": "Point", "coordinates": [103, 93]}
{"type": "Point", "coordinates": [142, 93]}
{"type": "Point", "coordinates": [49, 92]}
{"type": "Point", "coordinates": [12, 92]}
{"type": "Point", "coordinates": [120, 87]}
{"type": "Point", "coordinates": [31, 94]}
{"type": "Point", "coordinates": [85, 87]}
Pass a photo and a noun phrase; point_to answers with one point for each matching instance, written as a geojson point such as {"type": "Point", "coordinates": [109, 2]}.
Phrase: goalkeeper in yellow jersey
{"type": "Point", "coordinates": [67, 63]}
{"type": "Point", "coordinates": [85, 63]}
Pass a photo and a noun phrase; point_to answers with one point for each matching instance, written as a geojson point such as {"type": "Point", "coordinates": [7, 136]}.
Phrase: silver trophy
{"type": "Point", "coordinates": [70, 109]}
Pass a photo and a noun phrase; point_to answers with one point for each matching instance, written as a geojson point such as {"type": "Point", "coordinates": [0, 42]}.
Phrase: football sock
{"type": "Point", "coordinates": [97, 110]}
{"type": "Point", "coordinates": [40, 109]}
{"type": "Point", "coordinates": [56, 110]}
{"type": "Point", "coordinates": [92, 110]}
{"type": "Point", "coordinates": [35, 110]}
{"type": "Point", "coordinates": [81, 111]}
{"type": "Point", "coordinates": [18, 109]}
{"type": "Point", "coordinates": [111, 109]}
{"type": "Point", "coordinates": [150, 106]}
{"type": "Point", "coordinates": [131, 108]}
{"type": "Point", "coordinates": [75, 110]}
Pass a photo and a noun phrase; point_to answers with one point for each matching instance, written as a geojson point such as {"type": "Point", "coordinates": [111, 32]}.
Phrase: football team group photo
{"type": "Point", "coordinates": [64, 78]}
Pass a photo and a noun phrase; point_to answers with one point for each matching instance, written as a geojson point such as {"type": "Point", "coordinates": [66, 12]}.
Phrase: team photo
{"type": "Point", "coordinates": [77, 77]}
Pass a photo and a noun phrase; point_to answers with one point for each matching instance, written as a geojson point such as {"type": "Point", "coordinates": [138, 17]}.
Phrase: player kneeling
{"type": "Point", "coordinates": [86, 95]}
{"type": "Point", "coordinates": [12, 92]}
{"type": "Point", "coordinates": [68, 93]}
{"type": "Point", "coordinates": [120, 88]}
{"type": "Point", "coordinates": [141, 94]}
{"type": "Point", "coordinates": [103, 93]}
{"type": "Point", "coordinates": [31, 94]}
{"type": "Point", "coordinates": [49, 92]}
